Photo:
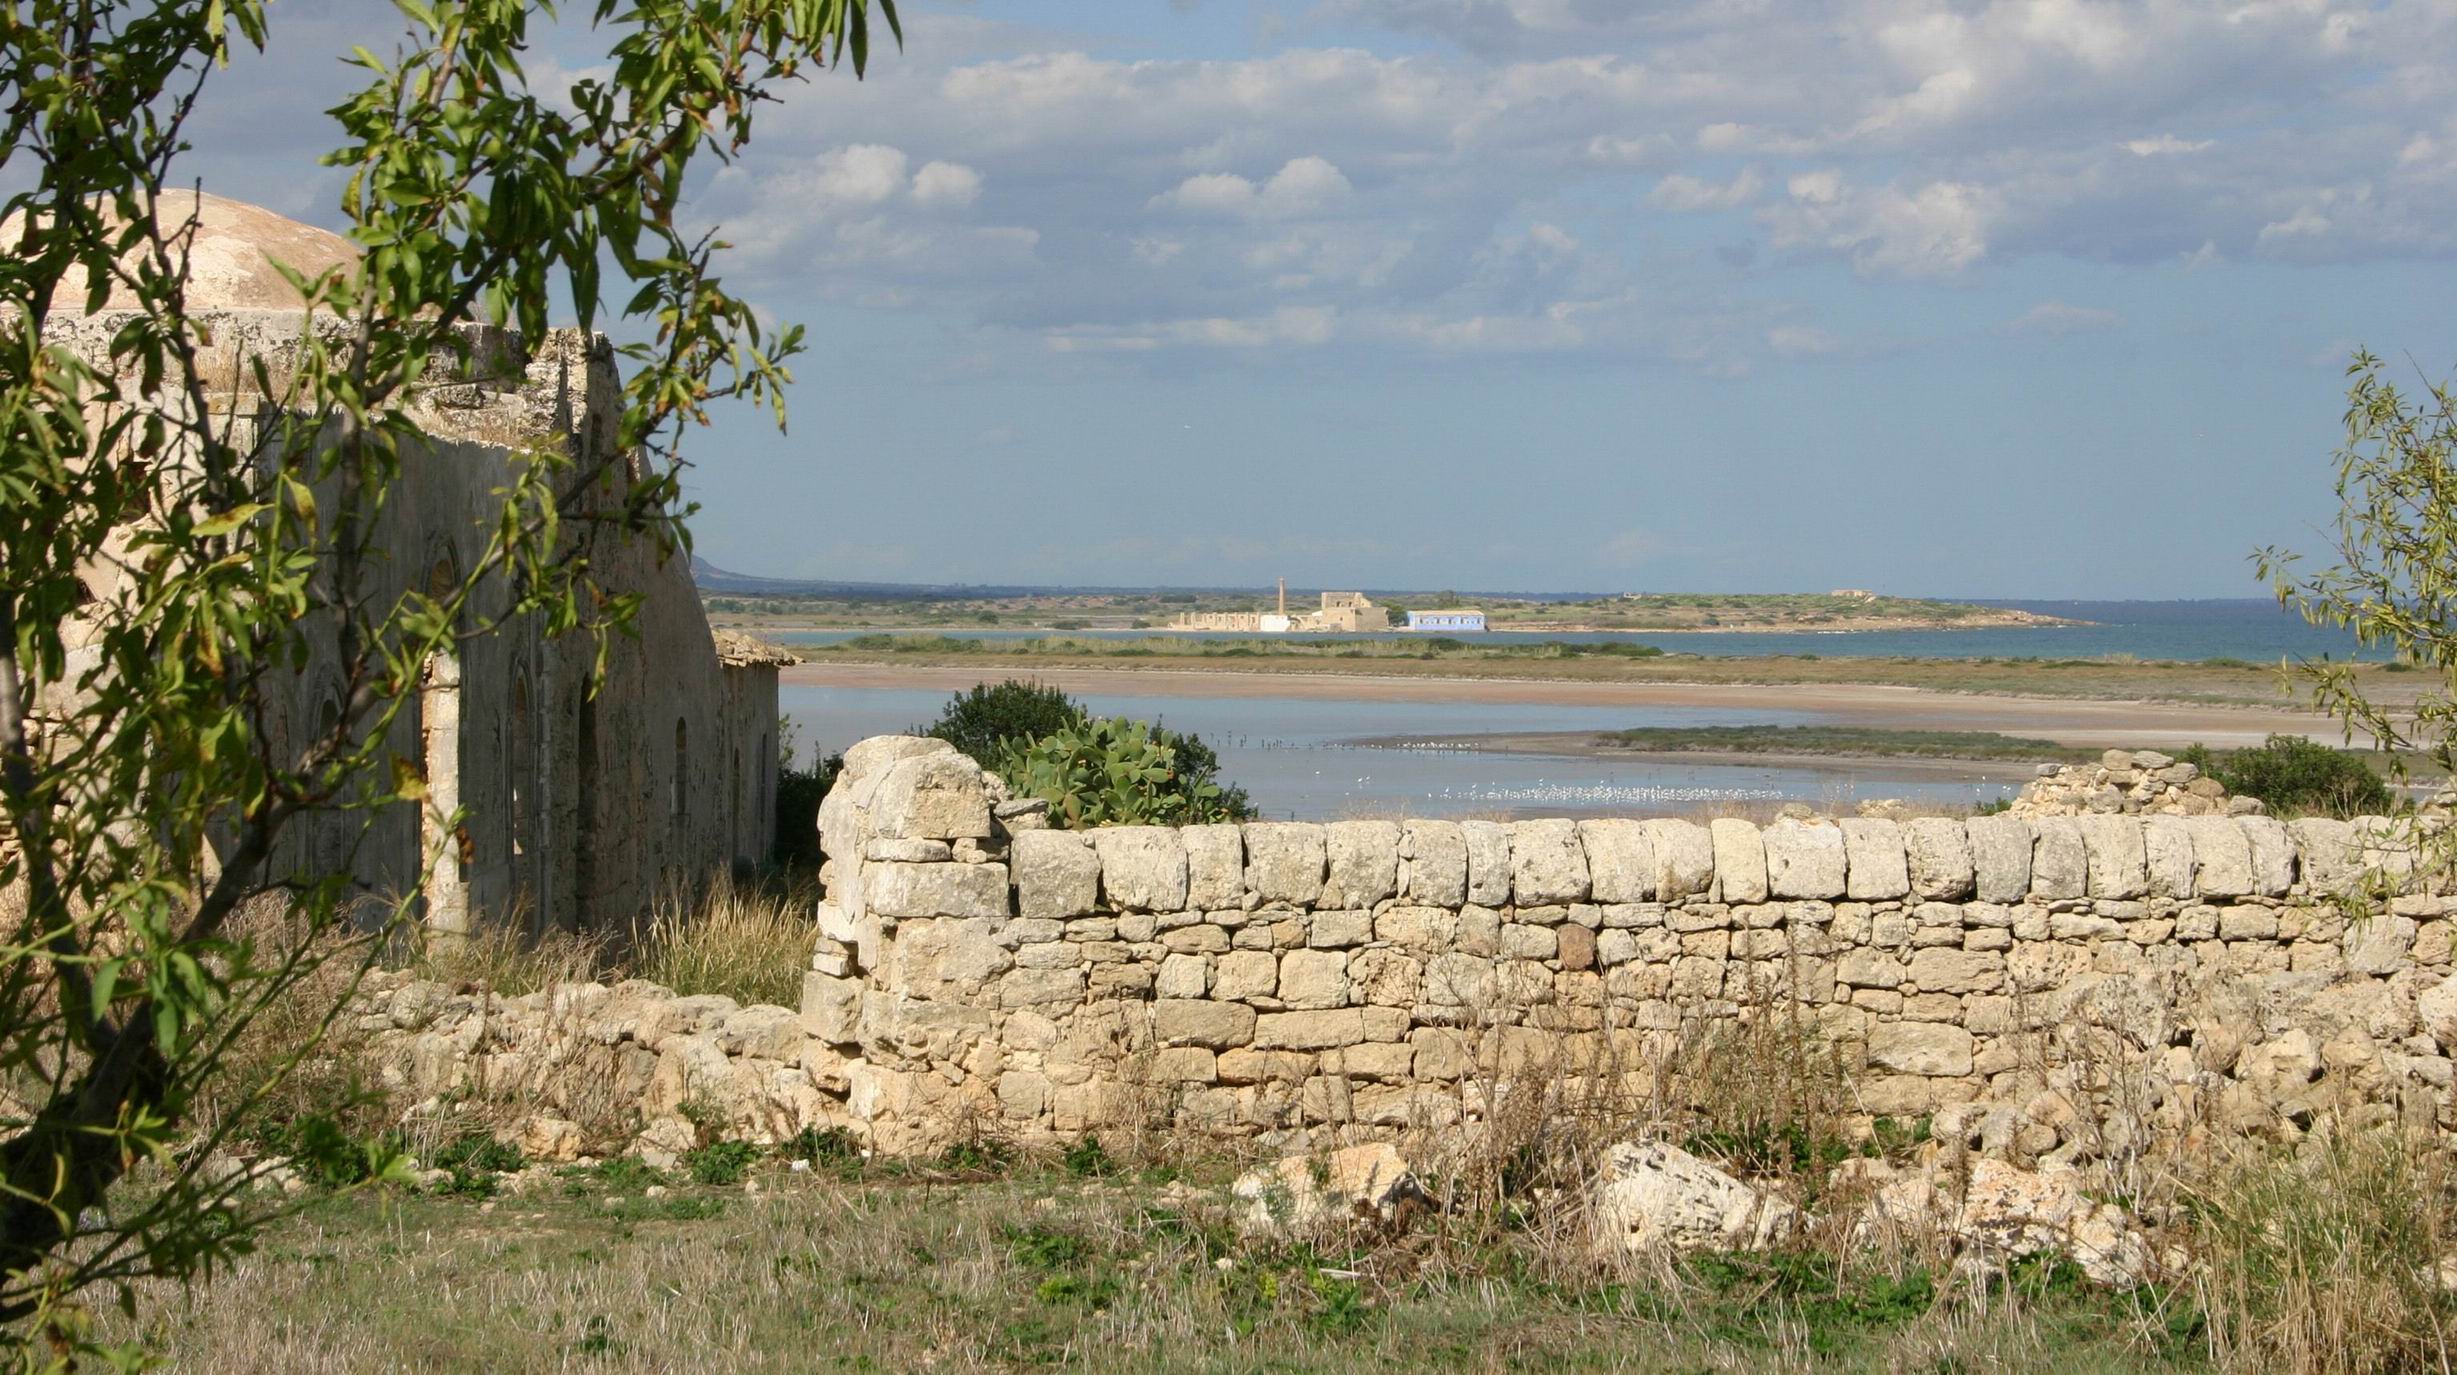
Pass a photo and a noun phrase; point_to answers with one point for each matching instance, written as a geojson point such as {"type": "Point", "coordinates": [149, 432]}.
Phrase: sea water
{"type": "Point", "coordinates": [2257, 631]}
{"type": "Point", "coordinates": [1316, 760]}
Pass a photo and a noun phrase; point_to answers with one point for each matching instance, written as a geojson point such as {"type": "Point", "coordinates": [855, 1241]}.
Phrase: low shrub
{"type": "Point", "coordinates": [1116, 772]}
{"type": "Point", "coordinates": [473, 1161]}
{"type": "Point", "coordinates": [720, 1162]}
{"type": "Point", "coordinates": [799, 791]}
{"type": "Point", "coordinates": [983, 721]}
{"type": "Point", "coordinates": [2295, 776]}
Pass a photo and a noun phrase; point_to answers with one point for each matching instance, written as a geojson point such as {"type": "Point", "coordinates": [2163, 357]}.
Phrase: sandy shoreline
{"type": "Point", "coordinates": [2067, 721]}
{"type": "Point", "coordinates": [1584, 745]}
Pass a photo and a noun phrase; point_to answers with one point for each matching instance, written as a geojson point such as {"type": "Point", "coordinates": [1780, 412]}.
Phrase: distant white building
{"type": "Point", "coordinates": [1455, 619]}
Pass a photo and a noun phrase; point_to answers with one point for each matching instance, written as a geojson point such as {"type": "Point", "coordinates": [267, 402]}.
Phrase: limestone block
{"type": "Point", "coordinates": [1620, 860]}
{"type": "Point", "coordinates": [842, 813]}
{"type": "Point", "coordinates": [2222, 857]}
{"type": "Point", "coordinates": [1740, 859]}
{"type": "Point", "coordinates": [2059, 865]}
{"type": "Point", "coordinates": [1183, 976]}
{"type": "Point", "coordinates": [1143, 868]}
{"type": "Point", "coordinates": [2379, 944]}
{"type": "Point", "coordinates": [2116, 854]}
{"type": "Point", "coordinates": [1041, 987]}
{"type": "Point", "coordinates": [1436, 852]}
{"type": "Point", "coordinates": [1652, 1198]}
{"type": "Point", "coordinates": [909, 851]}
{"type": "Point", "coordinates": [2273, 855]}
{"type": "Point", "coordinates": [1326, 1030]}
{"type": "Point", "coordinates": [1364, 863]}
{"type": "Point", "coordinates": [1862, 967]}
{"type": "Point", "coordinates": [2167, 847]}
{"type": "Point", "coordinates": [1284, 861]}
{"type": "Point", "coordinates": [1546, 864]}
{"type": "Point", "coordinates": [939, 796]}
{"type": "Point", "coordinates": [2389, 845]}
{"type": "Point", "coordinates": [948, 957]}
{"type": "Point", "coordinates": [1184, 1065]}
{"type": "Point", "coordinates": [1938, 851]}
{"type": "Point", "coordinates": [1424, 929]}
{"type": "Point", "coordinates": [2437, 1011]}
{"type": "Point", "coordinates": [2000, 857]}
{"type": "Point", "coordinates": [1488, 862]}
{"type": "Point", "coordinates": [1339, 930]}
{"type": "Point", "coordinates": [1243, 974]}
{"type": "Point", "coordinates": [832, 1008]}
{"type": "Point", "coordinates": [936, 890]}
{"type": "Point", "coordinates": [1215, 866]}
{"type": "Point", "coordinates": [1876, 862]}
{"type": "Point", "coordinates": [1192, 1022]}
{"type": "Point", "coordinates": [1946, 969]}
{"type": "Point", "coordinates": [1578, 947]}
{"type": "Point", "coordinates": [1684, 858]}
{"type": "Point", "coordinates": [1457, 980]}
{"type": "Point", "coordinates": [2327, 854]}
{"type": "Point", "coordinates": [1057, 875]}
{"type": "Point", "coordinates": [1804, 860]}
{"type": "Point", "coordinates": [1927, 1048]}
{"type": "Point", "coordinates": [1314, 978]}
{"type": "Point", "coordinates": [1527, 941]}
{"type": "Point", "coordinates": [1385, 978]}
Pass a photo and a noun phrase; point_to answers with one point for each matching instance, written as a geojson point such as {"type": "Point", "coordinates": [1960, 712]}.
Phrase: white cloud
{"type": "Point", "coordinates": [1936, 230]}
{"type": "Point", "coordinates": [1400, 192]}
{"type": "Point", "coordinates": [1297, 326]}
{"type": "Point", "coordinates": [2056, 317]}
{"type": "Point", "coordinates": [1681, 192]}
{"type": "Point", "coordinates": [2165, 145]}
{"type": "Point", "coordinates": [946, 184]}
{"type": "Point", "coordinates": [864, 174]}
{"type": "Point", "coordinates": [1303, 186]}
{"type": "Point", "coordinates": [2306, 223]}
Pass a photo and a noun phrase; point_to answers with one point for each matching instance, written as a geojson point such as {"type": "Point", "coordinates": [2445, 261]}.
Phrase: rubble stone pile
{"type": "Point", "coordinates": [2130, 783]}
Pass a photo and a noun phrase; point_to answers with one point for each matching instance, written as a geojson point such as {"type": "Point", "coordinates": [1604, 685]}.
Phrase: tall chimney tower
{"type": "Point", "coordinates": [1283, 596]}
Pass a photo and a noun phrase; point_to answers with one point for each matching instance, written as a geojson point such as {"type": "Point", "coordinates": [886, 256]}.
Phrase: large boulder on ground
{"type": "Point", "coordinates": [2000, 1213]}
{"type": "Point", "coordinates": [1310, 1196]}
{"type": "Point", "coordinates": [1653, 1197]}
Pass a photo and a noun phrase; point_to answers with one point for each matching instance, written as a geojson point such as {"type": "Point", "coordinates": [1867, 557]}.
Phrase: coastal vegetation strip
{"type": "Point", "coordinates": [2113, 677]}
{"type": "Point", "coordinates": [1667, 612]}
{"type": "Point", "coordinates": [1845, 741]}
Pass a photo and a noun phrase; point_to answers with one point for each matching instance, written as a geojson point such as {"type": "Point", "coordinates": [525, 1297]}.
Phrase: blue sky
{"type": "Point", "coordinates": [1982, 297]}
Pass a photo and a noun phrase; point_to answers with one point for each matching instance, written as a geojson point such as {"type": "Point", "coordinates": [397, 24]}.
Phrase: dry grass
{"type": "Point", "coordinates": [502, 957]}
{"type": "Point", "coordinates": [750, 943]}
{"type": "Point", "coordinates": [2335, 1261]}
{"type": "Point", "coordinates": [881, 1271]}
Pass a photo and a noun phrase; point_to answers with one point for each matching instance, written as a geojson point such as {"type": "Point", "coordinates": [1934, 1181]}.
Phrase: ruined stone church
{"type": "Point", "coordinates": [584, 807]}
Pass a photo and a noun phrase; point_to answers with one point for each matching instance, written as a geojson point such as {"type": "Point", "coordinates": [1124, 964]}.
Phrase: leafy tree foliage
{"type": "Point", "coordinates": [800, 788]}
{"type": "Point", "coordinates": [143, 803]}
{"type": "Point", "coordinates": [980, 722]}
{"type": "Point", "coordinates": [1112, 771]}
{"type": "Point", "coordinates": [2394, 581]}
{"type": "Point", "coordinates": [2297, 776]}
{"type": "Point", "coordinates": [1045, 743]}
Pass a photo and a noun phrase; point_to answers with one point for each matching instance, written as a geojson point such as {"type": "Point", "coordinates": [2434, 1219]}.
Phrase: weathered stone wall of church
{"type": "Point", "coordinates": [584, 806]}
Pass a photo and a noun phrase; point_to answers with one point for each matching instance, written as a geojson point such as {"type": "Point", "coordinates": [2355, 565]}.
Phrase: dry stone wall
{"type": "Point", "coordinates": [2016, 977]}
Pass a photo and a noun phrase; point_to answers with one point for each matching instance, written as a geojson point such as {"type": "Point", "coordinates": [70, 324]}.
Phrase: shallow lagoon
{"type": "Point", "coordinates": [1307, 759]}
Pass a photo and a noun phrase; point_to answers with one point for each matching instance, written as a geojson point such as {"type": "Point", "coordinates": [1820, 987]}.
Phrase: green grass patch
{"type": "Point", "coordinates": [1845, 740]}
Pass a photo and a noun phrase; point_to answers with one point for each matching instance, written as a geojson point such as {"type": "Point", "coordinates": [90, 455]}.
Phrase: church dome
{"type": "Point", "coordinates": [231, 256]}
